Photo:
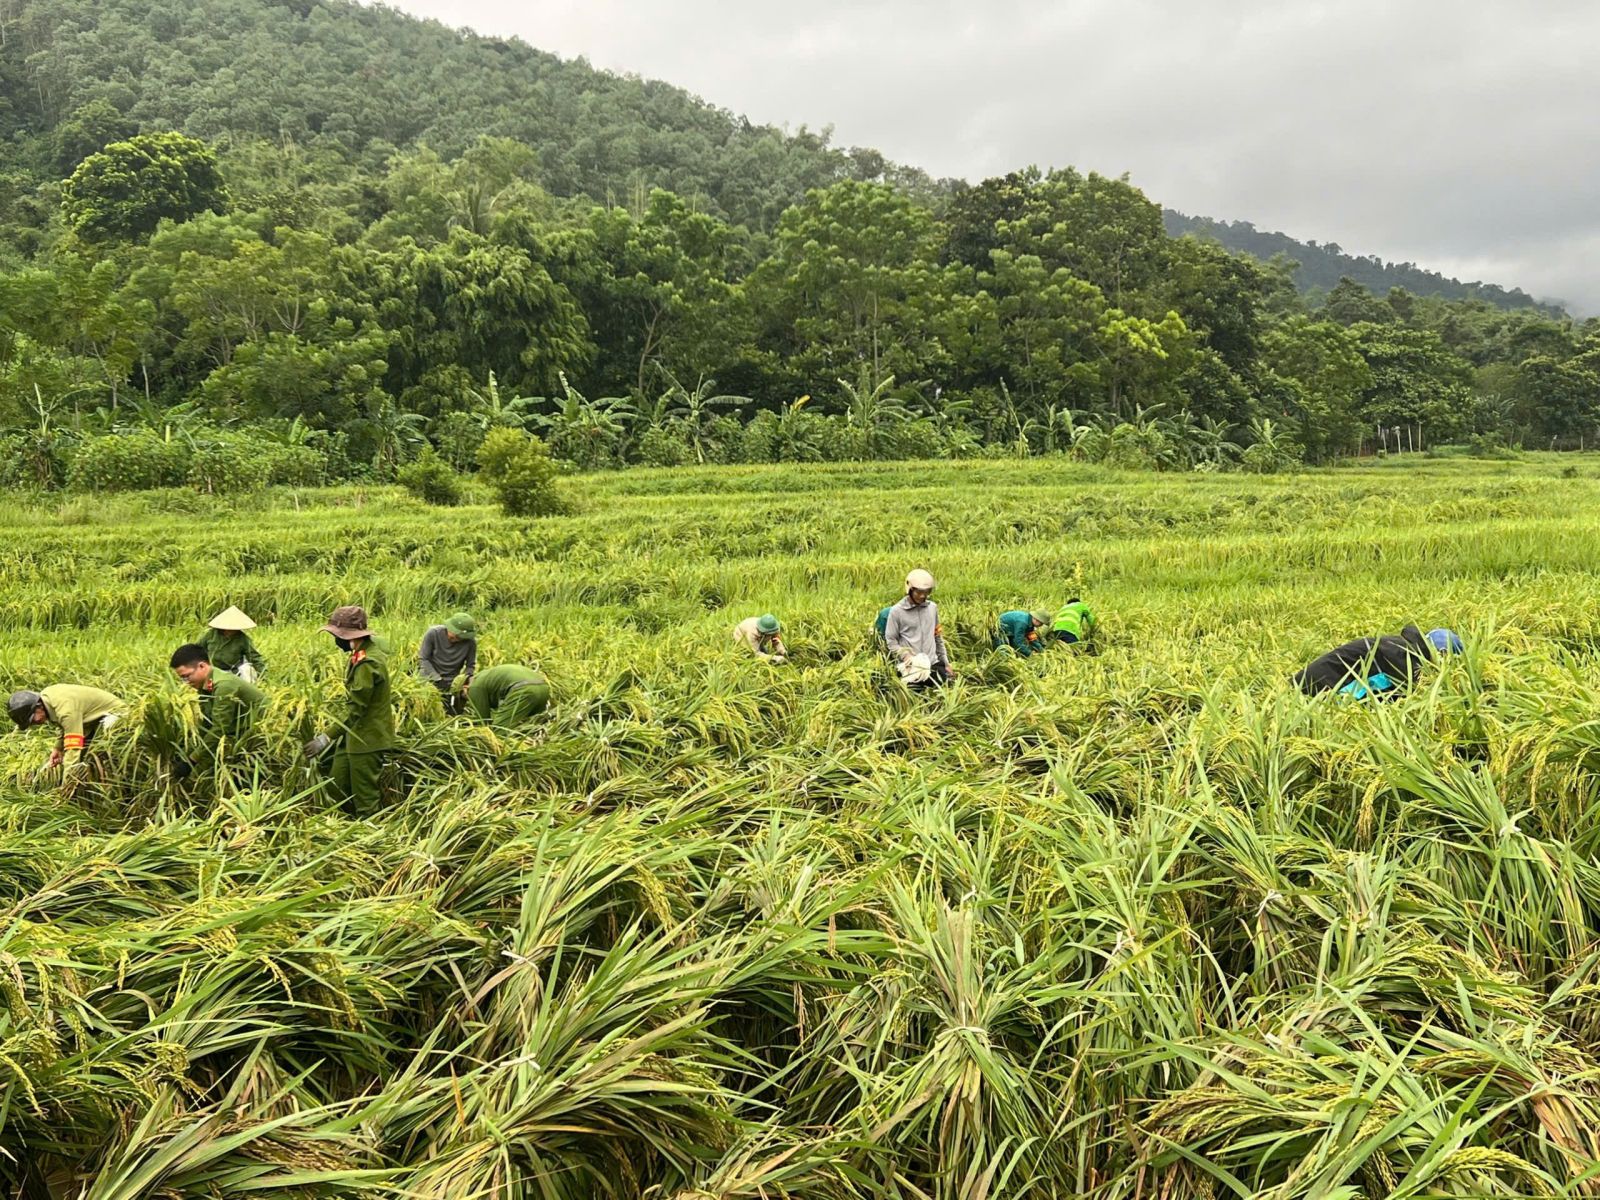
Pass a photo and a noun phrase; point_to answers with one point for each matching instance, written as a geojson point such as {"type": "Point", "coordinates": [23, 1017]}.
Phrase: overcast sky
{"type": "Point", "coordinates": [1461, 135]}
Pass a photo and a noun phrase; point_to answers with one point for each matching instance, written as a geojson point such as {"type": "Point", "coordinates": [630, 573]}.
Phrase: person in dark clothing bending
{"type": "Point", "coordinates": [1381, 666]}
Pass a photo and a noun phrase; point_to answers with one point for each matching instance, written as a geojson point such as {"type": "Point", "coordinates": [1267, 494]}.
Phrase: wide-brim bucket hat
{"type": "Point", "coordinates": [348, 621]}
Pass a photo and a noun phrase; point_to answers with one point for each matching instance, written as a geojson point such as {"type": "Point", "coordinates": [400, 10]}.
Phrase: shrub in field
{"type": "Point", "coordinates": [517, 466]}
{"type": "Point", "coordinates": [758, 440]}
{"type": "Point", "coordinates": [430, 479]}
{"type": "Point", "coordinates": [126, 462]}
{"type": "Point", "coordinates": [229, 462]}
{"type": "Point", "coordinates": [296, 466]}
{"type": "Point", "coordinates": [458, 436]}
{"type": "Point", "coordinates": [1271, 452]}
{"type": "Point", "coordinates": [664, 446]}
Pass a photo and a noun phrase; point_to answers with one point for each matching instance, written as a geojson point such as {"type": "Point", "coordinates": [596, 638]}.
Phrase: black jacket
{"type": "Point", "coordinates": [1397, 657]}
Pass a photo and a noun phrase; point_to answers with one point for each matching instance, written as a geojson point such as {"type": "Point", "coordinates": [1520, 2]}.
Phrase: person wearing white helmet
{"type": "Point", "coordinates": [914, 636]}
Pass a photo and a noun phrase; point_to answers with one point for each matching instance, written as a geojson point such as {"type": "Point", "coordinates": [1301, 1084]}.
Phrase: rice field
{"type": "Point", "coordinates": [1138, 923]}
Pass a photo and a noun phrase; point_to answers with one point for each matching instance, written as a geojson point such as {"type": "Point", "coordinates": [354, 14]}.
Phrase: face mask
{"type": "Point", "coordinates": [342, 644]}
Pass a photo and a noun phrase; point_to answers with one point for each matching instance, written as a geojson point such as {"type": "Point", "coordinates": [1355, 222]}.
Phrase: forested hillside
{"type": "Point", "coordinates": [353, 83]}
{"type": "Point", "coordinates": [245, 242]}
{"type": "Point", "coordinates": [1318, 268]}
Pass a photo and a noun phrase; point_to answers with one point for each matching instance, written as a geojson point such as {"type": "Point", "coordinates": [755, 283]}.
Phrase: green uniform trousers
{"type": "Point", "coordinates": [358, 781]}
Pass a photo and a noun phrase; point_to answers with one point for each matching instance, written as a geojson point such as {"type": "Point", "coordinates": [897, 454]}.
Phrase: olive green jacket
{"type": "Point", "coordinates": [228, 707]}
{"type": "Point", "coordinates": [227, 651]}
{"type": "Point", "coordinates": [368, 721]}
{"type": "Point", "coordinates": [490, 689]}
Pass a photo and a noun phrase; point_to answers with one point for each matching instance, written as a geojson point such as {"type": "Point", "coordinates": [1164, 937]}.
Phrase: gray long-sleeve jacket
{"type": "Point", "coordinates": [915, 630]}
{"type": "Point", "coordinates": [441, 661]}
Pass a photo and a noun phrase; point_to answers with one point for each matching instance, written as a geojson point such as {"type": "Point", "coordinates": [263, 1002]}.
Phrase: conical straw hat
{"type": "Point", "coordinates": [232, 619]}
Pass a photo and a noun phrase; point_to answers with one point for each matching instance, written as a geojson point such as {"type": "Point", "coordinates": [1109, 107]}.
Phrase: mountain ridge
{"type": "Point", "coordinates": [1320, 267]}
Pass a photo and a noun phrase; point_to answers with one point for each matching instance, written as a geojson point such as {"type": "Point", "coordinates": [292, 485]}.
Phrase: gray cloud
{"type": "Point", "coordinates": [1459, 135]}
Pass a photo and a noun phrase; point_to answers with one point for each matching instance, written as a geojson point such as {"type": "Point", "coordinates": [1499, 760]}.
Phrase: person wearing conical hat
{"type": "Point", "coordinates": [228, 644]}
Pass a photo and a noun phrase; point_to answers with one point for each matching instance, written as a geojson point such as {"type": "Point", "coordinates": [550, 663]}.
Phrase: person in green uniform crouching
{"type": "Point", "coordinates": [229, 648]}
{"type": "Point", "coordinates": [229, 705]}
{"type": "Point", "coordinates": [1074, 623]}
{"type": "Point", "coordinates": [366, 731]}
{"type": "Point", "coordinates": [508, 696]}
{"type": "Point", "coordinates": [78, 712]}
{"type": "Point", "coordinates": [1019, 631]}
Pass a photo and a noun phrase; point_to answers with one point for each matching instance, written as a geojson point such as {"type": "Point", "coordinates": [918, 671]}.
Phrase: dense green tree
{"type": "Point", "coordinates": [486, 305]}
{"type": "Point", "coordinates": [1351, 304]}
{"type": "Point", "coordinates": [426, 197]}
{"type": "Point", "coordinates": [975, 215]}
{"type": "Point", "coordinates": [1142, 360]}
{"type": "Point", "coordinates": [92, 128]}
{"type": "Point", "coordinates": [1047, 326]}
{"type": "Point", "coordinates": [1220, 297]}
{"type": "Point", "coordinates": [1105, 231]}
{"type": "Point", "coordinates": [1556, 399]}
{"type": "Point", "coordinates": [1315, 379]}
{"type": "Point", "coordinates": [661, 294]}
{"type": "Point", "coordinates": [835, 293]}
{"type": "Point", "coordinates": [1415, 380]}
{"type": "Point", "coordinates": [123, 192]}
{"type": "Point", "coordinates": [329, 383]}
{"type": "Point", "coordinates": [78, 310]}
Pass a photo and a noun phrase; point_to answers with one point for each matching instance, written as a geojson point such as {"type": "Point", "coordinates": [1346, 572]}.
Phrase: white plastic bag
{"type": "Point", "coordinates": [916, 669]}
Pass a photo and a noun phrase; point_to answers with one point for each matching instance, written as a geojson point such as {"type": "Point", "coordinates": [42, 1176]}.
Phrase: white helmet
{"type": "Point", "coordinates": [920, 580]}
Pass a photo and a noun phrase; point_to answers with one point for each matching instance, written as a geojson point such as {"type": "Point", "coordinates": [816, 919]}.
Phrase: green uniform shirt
{"type": "Point", "coordinates": [228, 707]}
{"type": "Point", "coordinates": [70, 707]}
{"type": "Point", "coordinates": [369, 707]}
{"type": "Point", "coordinates": [227, 650]}
{"type": "Point", "coordinates": [1076, 620]}
{"type": "Point", "coordinates": [492, 690]}
{"type": "Point", "coordinates": [1016, 631]}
